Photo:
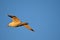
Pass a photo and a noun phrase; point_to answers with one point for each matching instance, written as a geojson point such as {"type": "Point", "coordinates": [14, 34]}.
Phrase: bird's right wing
{"type": "Point", "coordinates": [28, 27]}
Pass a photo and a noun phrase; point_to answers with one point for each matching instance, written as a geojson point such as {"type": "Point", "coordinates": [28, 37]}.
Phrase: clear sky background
{"type": "Point", "coordinates": [42, 15]}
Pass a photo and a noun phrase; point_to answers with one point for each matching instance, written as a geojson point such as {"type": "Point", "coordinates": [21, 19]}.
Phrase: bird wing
{"type": "Point", "coordinates": [28, 27]}
{"type": "Point", "coordinates": [14, 18]}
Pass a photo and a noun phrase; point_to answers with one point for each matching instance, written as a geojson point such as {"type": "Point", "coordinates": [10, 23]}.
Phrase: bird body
{"type": "Point", "coordinates": [16, 23]}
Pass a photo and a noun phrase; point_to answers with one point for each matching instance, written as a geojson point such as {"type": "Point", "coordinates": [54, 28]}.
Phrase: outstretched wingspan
{"type": "Point", "coordinates": [16, 22]}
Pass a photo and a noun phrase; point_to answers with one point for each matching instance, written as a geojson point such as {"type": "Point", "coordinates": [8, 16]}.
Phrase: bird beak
{"type": "Point", "coordinates": [10, 16]}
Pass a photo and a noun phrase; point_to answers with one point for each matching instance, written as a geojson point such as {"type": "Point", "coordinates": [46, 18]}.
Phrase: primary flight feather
{"type": "Point", "coordinates": [16, 23]}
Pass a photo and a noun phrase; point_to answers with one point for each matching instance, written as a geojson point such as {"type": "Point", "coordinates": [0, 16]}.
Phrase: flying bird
{"type": "Point", "coordinates": [16, 23]}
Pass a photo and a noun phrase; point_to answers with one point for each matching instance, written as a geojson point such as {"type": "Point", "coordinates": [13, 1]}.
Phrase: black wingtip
{"type": "Point", "coordinates": [10, 16]}
{"type": "Point", "coordinates": [32, 30]}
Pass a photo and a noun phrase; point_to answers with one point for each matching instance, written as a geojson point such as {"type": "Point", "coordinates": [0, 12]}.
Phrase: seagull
{"type": "Point", "coordinates": [16, 23]}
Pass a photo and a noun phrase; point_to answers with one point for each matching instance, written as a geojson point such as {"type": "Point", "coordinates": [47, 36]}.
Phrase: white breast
{"type": "Point", "coordinates": [14, 24]}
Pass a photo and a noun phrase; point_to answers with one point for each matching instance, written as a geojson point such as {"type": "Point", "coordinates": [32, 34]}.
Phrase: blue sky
{"type": "Point", "coordinates": [42, 15]}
